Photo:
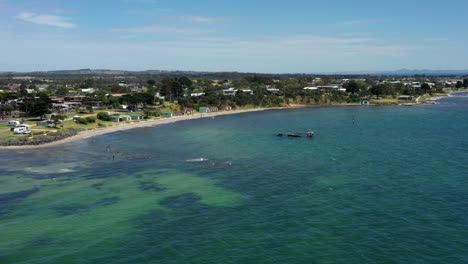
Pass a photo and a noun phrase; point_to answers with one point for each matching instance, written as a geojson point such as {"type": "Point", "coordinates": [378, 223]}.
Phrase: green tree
{"type": "Point", "coordinates": [151, 82]}
{"type": "Point", "coordinates": [186, 82]}
{"type": "Point", "coordinates": [62, 91]}
{"type": "Point", "coordinates": [425, 87]}
{"type": "Point", "coordinates": [352, 87]}
{"type": "Point", "coordinates": [465, 83]}
{"type": "Point", "coordinates": [39, 108]}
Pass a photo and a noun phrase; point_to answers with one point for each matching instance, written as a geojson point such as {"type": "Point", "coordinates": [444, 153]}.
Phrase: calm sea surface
{"type": "Point", "coordinates": [390, 188]}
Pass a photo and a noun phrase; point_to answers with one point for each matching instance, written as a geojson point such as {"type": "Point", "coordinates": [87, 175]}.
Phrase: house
{"type": "Point", "coordinates": [136, 116]}
{"type": "Point", "coordinates": [189, 111]}
{"type": "Point", "coordinates": [226, 107]}
{"type": "Point", "coordinates": [197, 94]}
{"type": "Point", "coordinates": [229, 91]}
{"type": "Point", "coordinates": [178, 113]}
{"type": "Point", "coordinates": [167, 114]}
{"type": "Point", "coordinates": [204, 110]}
{"type": "Point", "coordinates": [273, 90]}
{"type": "Point", "coordinates": [328, 87]}
{"type": "Point", "coordinates": [405, 97]}
{"type": "Point", "coordinates": [88, 90]}
{"type": "Point", "coordinates": [121, 118]}
{"type": "Point", "coordinates": [247, 91]}
{"type": "Point", "coordinates": [310, 88]}
{"type": "Point", "coordinates": [213, 108]}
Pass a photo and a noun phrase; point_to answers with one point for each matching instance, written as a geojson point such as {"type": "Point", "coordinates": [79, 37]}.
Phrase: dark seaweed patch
{"type": "Point", "coordinates": [150, 186]}
{"type": "Point", "coordinates": [69, 210]}
{"type": "Point", "coordinates": [97, 186]}
{"type": "Point", "coordinates": [9, 199]}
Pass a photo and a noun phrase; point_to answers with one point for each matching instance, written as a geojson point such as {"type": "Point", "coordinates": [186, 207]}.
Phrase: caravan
{"type": "Point", "coordinates": [13, 123]}
{"type": "Point", "coordinates": [21, 129]}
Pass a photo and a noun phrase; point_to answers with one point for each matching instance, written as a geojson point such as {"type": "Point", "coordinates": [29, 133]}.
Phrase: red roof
{"type": "Point", "coordinates": [225, 106]}
{"type": "Point", "coordinates": [178, 111]}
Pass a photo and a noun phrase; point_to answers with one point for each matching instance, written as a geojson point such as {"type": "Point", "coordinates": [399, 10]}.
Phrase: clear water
{"type": "Point", "coordinates": [390, 188]}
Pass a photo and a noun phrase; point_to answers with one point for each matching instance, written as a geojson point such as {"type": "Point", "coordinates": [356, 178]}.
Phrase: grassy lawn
{"type": "Point", "coordinates": [384, 101]}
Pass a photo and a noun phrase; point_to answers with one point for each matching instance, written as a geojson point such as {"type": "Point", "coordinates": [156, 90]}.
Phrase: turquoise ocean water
{"type": "Point", "coordinates": [390, 188]}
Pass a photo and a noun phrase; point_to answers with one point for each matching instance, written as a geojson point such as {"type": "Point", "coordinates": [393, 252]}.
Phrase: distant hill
{"type": "Point", "coordinates": [220, 75]}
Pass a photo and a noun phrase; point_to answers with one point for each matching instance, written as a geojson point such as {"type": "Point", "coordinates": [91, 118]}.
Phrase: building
{"type": "Point", "coordinates": [121, 118]}
{"type": "Point", "coordinates": [189, 111]}
{"type": "Point", "coordinates": [136, 116]}
{"type": "Point", "coordinates": [178, 113]}
{"type": "Point", "coordinates": [213, 108]}
{"type": "Point", "coordinates": [88, 90]}
{"type": "Point", "coordinates": [204, 110]}
{"type": "Point", "coordinates": [167, 114]}
{"type": "Point", "coordinates": [310, 88]}
{"type": "Point", "coordinates": [405, 97]}
{"type": "Point", "coordinates": [226, 107]}
{"type": "Point", "coordinates": [229, 91]}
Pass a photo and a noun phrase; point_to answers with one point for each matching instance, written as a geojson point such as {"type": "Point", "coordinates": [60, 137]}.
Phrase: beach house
{"type": "Point", "coordinates": [121, 118]}
{"type": "Point", "coordinates": [213, 108]}
{"type": "Point", "coordinates": [203, 109]}
{"type": "Point", "coordinates": [189, 111]}
{"type": "Point", "coordinates": [136, 116]}
{"type": "Point", "coordinates": [226, 107]}
{"type": "Point", "coordinates": [167, 114]}
{"type": "Point", "coordinates": [178, 113]}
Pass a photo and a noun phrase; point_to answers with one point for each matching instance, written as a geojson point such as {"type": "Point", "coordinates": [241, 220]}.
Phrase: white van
{"type": "Point", "coordinates": [13, 123]}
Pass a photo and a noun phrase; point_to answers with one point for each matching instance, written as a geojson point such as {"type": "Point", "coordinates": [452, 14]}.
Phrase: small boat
{"type": "Point", "coordinates": [279, 134]}
{"type": "Point", "coordinates": [294, 135]}
{"type": "Point", "coordinates": [310, 133]}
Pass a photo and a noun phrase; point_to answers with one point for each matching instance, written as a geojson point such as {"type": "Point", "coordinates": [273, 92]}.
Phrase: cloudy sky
{"type": "Point", "coordinates": [242, 35]}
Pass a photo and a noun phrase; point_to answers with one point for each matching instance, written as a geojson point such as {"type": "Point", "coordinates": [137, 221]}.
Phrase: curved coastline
{"type": "Point", "coordinates": [161, 121]}
{"type": "Point", "coordinates": [127, 126]}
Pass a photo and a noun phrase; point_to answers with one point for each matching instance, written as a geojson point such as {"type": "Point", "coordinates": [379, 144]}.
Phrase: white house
{"type": "Point", "coordinates": [88, 90]}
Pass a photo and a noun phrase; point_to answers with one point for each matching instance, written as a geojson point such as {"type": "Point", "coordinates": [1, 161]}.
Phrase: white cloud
{"type": "Point", "coordinates": [50, 20]}
{"type": "Point", "coordinates": [164, 30]}
{"type": "Point", "coordinates": [282, 53]}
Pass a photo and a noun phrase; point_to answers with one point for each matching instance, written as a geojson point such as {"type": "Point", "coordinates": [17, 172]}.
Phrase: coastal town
{"type": "Point", "coordinates": [41, 109]}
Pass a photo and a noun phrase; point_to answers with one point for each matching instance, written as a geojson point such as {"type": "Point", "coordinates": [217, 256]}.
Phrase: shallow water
{"type": "Point", "coordinates": [390, 188]}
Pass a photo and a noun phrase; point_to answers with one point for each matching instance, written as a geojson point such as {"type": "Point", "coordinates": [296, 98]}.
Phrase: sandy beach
{"type": "Point", "coordinates": [144, 123]}
{"type": "Point", "coordinates": [161, 121]}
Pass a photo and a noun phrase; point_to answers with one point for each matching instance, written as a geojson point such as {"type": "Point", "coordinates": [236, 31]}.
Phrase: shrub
{"type": "Point", "coordinates": [101, 124]}
{"type": "Point", "coordinates": [81, 120]}
{"type": "Point", "coordinates": [91, 119]}
{"type": "Point", "coordinates": [104, 116]}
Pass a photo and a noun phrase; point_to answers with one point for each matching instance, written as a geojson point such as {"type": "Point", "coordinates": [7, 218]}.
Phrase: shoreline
{"type": "Point", "coordinates": [146, 123]}
{"type": "Point", "coordinates": [161, 121]}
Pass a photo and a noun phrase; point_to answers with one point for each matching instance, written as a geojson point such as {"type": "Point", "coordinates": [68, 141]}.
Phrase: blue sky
{"type": "Point", "coordinates": [248, 36]}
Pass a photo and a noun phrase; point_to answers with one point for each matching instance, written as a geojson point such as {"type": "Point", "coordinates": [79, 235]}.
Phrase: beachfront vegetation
{"type": "Point", "coordinates": [61, 98]}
